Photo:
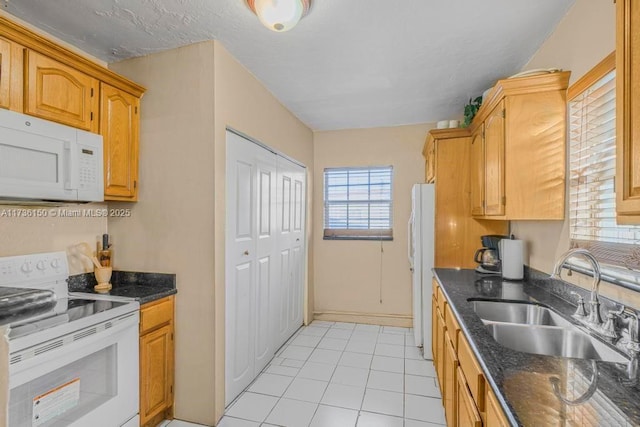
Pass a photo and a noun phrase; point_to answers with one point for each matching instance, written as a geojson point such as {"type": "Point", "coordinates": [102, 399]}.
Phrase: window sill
{"type": "Point", "coordinates": [370, 238]}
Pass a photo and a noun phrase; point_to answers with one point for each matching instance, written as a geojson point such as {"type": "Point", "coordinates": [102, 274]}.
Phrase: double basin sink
{"type": "Point", "coordinates": [531, 328]}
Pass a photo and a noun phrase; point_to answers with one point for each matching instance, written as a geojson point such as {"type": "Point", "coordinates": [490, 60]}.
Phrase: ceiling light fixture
{"type": "Point", "coordinates": [279, 15]}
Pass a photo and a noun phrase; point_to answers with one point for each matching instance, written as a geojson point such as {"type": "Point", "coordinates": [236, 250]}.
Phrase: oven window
{"type": "Point", "coordinates": [61, 397]}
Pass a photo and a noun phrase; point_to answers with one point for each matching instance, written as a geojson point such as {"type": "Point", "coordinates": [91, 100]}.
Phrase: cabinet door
{"type": "Point", "coordinates": [440, 345]}
{"type": "Point", "coordinates": [452, 201]}
{"type": "Point", "coordinates": [429, 153]}
{"type": "Point", "coordinates": [450, 387]}
{"type": "Point", "coordinates": [494, 415]}
{"type": "Point", "coordinates": [477, 172]}
{"type": "Point", "coordinates": [57, 92]}
{"type": "Point", "coordinates": [494, 161]}
{"type": "Point", "coordinates": [467, 413]}
{"type": "Point", "coordinates": [627, 110]}
{"type": "Point", "coordinates": [156, 372]}
{"type": "Point", "coordinates": [11, 75]}
{"type": "Point", "coordinates": [434, 329]}
{"type": "Point", "coordinates": [119, 121]}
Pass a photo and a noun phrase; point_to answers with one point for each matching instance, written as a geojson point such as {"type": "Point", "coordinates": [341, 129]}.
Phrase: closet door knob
{"type": "Point", "coordinates": [246, 252]}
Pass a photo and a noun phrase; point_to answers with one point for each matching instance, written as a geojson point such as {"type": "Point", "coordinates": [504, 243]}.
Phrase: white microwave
{"type": "Point", "coordinates": [43, 160]}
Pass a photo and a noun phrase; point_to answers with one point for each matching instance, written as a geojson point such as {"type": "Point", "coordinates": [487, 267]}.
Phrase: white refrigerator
{"type": "Point", "coordinates": [421, 258]}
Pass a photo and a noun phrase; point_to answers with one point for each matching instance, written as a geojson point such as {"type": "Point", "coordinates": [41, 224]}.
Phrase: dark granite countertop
{"type": "Point", "coordinates": [143, 287]}
{"type": "Point", "coordinates": [522, 381]}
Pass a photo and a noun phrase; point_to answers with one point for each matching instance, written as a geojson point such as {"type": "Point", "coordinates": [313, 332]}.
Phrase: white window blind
{"type": "Point", "coordinates": [358, 203]}
{"type": "Point", "coordinates": [592, 198]}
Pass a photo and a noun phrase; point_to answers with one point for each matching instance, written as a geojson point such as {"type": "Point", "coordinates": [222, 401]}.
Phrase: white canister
{"type": "Point", "coordinates": [442, 124]}
{"type": "Point", "coordinates": [454, 123]}
{"type": "Point", "coordinates": [512, 259]}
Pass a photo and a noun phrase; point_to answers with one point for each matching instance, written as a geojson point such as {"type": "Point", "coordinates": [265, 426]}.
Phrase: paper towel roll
{"type": "Point", "coordinates": [511, 254]}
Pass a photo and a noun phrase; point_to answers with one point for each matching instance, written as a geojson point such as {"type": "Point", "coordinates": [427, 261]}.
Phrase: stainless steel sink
{"type": "Point", "coordinates": [514, 312]}
{"type": "Point", "coordinates": [553, 341]}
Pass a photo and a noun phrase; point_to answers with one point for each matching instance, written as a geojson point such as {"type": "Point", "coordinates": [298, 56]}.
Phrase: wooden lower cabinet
{"type": "Point", "coordinates": [450, 368]}
{"type": "Point", "coordinates": [467, 398]}
{"type": "Point", "coordinates": [467, 413]}
{"type": "Point", "coordinates": [434, 329]}
{"type": "Point", "coordinates": [440, 345]}
{"type": "Point", "coordinates": [494, 416]}
{"type": "Point", "coordinates": [156, 361]}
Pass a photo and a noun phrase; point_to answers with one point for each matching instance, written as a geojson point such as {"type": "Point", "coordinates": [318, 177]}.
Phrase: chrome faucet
{"type": "Point", "coordinates": [594, 318]}
{"type": "Point", "coordinates": [630, 321]}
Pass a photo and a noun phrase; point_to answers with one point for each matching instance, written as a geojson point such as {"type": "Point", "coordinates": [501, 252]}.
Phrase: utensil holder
{"type": "Point", "coordinates": [103, 277]}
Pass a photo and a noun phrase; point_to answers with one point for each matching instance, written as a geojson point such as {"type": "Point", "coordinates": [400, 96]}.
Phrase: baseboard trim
{"type": "Point", "coordinates": [402, 320]}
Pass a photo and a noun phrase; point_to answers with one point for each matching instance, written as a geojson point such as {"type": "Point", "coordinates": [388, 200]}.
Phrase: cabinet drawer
{"type": "Point", "coordinates": [452, 326]}
{"type": "Point", "coordinates": [472, 371]}
{"type": "Point", "coordinates": [156, 314]}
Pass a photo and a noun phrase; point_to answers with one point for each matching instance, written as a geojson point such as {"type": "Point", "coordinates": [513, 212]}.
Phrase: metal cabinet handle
{"type": "Point", "coordinates": [246, 252]}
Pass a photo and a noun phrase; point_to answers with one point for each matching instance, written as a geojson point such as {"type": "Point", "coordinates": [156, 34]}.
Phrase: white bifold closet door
{"type": "Point", "coordinates": [265, 260]}
{"type": "Point", "coordinates": [290, 239]}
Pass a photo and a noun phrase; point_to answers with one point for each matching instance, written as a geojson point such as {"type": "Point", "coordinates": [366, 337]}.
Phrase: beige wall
{"type": "Point", "coordinates": [349, 276]}
{"type": "Point", "coordinates": [21, 235]}
{"type": "Point", "coordinates": [178, 225]}
{"type": "Point", "coordinates": [243, 104]}
{"type": "Point", "coordinates": [583, 38]}
{"type": "Point", "coordinates": [171, 226]}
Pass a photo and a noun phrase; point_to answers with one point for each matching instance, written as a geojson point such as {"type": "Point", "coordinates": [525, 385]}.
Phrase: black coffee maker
{"type": "Point", "coordinates": [488, 257]}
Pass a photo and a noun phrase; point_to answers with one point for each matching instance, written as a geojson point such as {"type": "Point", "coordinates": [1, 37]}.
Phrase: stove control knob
{"type": "Point", "coordinates": [26, 267]}
{"type": "Point", "coordinates": [41, 265]}
{"type": "Point", "coordinates": [55, 263]}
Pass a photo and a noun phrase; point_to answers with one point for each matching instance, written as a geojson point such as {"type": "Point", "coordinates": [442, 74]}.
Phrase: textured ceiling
{"type": "Point", "coordinates": [348, 64]}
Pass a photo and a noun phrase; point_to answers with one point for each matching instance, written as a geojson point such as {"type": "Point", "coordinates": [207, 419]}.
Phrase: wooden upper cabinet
{"type": "Point", "coordinates": [119, 123]}
{"type": "Point", "coordinates": [11, 75]}
{"type": "Point", "coordinates": [429, 153]}
{"type": "Point", "coordinates": [58, 92]}
{"type": "Point", "coordinates": [628, 110]}
{"type": "Point", "coordinates": [458, 169]}
{"type": "Point", "coordinates": [524, 123]}
{"type": "Point", "coordinates": [477, 172]}
{"type": "Point", "coordinates": [494, 161]}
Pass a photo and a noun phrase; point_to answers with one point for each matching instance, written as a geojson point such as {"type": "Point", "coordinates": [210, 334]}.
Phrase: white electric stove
{"type": "Point", "coordinates": [77, 363]}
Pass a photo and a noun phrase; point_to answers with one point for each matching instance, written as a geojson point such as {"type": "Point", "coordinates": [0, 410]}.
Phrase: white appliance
{"type": "Point", "coordinates": [76, 365]}
{"type": "Point", "coordinates": [421, 259]}
{"type": "Point", "coordinates": [43, 160]}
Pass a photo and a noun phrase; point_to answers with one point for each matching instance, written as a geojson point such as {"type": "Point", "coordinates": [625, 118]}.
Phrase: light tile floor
{"type": "Point", "coordinates": [333, 374]}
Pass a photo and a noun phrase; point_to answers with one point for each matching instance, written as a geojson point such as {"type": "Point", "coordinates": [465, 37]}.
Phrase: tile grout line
{"type": "Point", "coordinates": [380, 332]}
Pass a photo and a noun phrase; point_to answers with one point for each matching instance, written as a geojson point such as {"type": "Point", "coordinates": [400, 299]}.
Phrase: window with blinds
{"type": "Point", "coordinates": [592, 198]}
{"type": "Point", "coordinates": [358, 203]}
